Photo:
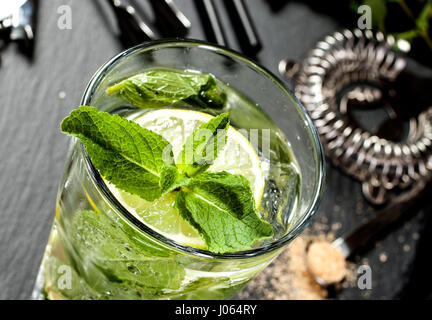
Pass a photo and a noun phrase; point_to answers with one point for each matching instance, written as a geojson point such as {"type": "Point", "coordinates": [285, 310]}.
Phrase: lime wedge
{"type": "Point", "coordinates": [175, 125]}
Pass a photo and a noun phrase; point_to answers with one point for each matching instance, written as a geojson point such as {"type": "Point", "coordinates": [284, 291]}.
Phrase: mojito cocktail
{"type": "Point", "coordinates": [190, 169]}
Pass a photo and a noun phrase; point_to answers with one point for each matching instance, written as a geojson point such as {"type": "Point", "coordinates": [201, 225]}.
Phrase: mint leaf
{"type": "Point", "coordinates": [121, 266]}
{"type": "Point", "coordinates": [171, 179]}
{"type": "Point", "coordinates": [221, 207]}
{"type": "Point", "coordinates": [126, 154]}
{"type": "Point", "coordinates": [202, 146]}
{"type": "Point", "coordinates": [78, 290]}
{"type": "Point", "coordinates": [161, 88]}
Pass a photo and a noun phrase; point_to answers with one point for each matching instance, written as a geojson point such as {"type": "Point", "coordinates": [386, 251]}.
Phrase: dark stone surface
{"type": "Point", "coordinates": [32, 149]}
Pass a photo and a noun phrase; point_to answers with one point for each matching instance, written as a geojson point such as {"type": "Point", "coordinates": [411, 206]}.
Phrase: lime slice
{"type": "Point", "coordinates": [161, 216]}
{"type": "Point", "coordinates": [237, 157]}
{"type": "Point", "coordinates": [175, 125]}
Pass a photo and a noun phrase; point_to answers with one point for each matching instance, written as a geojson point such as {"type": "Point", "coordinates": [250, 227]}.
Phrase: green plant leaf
{"type": "Point", "coordinates": [78, 290]}
{"type": "Point", "coordinates": [160, 88]}
{"type": "Point", "coordinates": [221, 207]}
{"type": "Point", "coordinates": [171, 179]}
{"type": "Point", "coordinates": [407, 35]}
{"type": "Point", "coordinates": [379, 12]}
{"type": "Point", "coordinates": [202, 146]}
{"type": "Point", "coordinates": [126, 154]}
{"type": "Point", "coordinates": [422, 20]}
{"type": "Point", "coordinates": [121, 266]}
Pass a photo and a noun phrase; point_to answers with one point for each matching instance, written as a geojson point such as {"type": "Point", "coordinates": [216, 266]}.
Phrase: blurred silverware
{"type": "Point", "coordinates": [243, 26]}
{"type": "Point", "coordinates": [17, 23]}
{"type": "Point", "coordinates": [169, 19]}
{"type": "Point", "coordinates": [133, 30]}
{"type": "Point", "coordinates": [211, 22]}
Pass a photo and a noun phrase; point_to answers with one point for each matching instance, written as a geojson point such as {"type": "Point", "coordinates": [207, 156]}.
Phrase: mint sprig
{"type": "Point", "coordinates": [126, 154]}
{"type": "Point", "coordinates": [161, 88]}
{"type": "Point", "coordinates": [220, 206]}
{"type": "Point", "coordinates": [202, 146]}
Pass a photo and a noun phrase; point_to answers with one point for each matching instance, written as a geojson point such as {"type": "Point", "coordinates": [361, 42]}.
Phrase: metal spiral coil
{"type": "Point", "coordinates": [356, 66]}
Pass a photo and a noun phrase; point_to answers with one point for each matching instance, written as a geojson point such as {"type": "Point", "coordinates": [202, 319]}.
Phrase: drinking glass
{"type": "Point", "coordinates": [126, 259]}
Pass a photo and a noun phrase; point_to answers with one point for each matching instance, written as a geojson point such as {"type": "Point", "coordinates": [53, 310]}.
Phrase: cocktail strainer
{"type": "Point", "coordinates": [359, 70]}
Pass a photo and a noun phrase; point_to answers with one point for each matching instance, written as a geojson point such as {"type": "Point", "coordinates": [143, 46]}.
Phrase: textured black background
{"type": "Point", "coordinates": [32, 149]}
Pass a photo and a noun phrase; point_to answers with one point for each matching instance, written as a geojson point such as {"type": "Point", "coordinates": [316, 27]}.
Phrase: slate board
{"type": "Point", "coordinates": [32, 150]}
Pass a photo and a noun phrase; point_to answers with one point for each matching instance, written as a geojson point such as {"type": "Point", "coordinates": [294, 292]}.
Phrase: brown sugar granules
{"type": "Point", "coordinates": [287, 277]}
{"type": "Point", "coordinates": [326, 262]}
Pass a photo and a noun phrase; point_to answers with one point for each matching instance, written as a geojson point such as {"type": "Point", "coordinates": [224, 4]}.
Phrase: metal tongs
{"type": "Point", "coordinates": [17, 23]}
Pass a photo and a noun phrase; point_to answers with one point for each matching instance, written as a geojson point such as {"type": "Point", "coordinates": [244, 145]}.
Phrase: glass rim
{"type": "Point", "coordinates": [97, 179]}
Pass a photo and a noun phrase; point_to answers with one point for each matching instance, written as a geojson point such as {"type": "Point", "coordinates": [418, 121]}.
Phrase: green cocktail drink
{"type": "Point", "coordinates": [108, 242]}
